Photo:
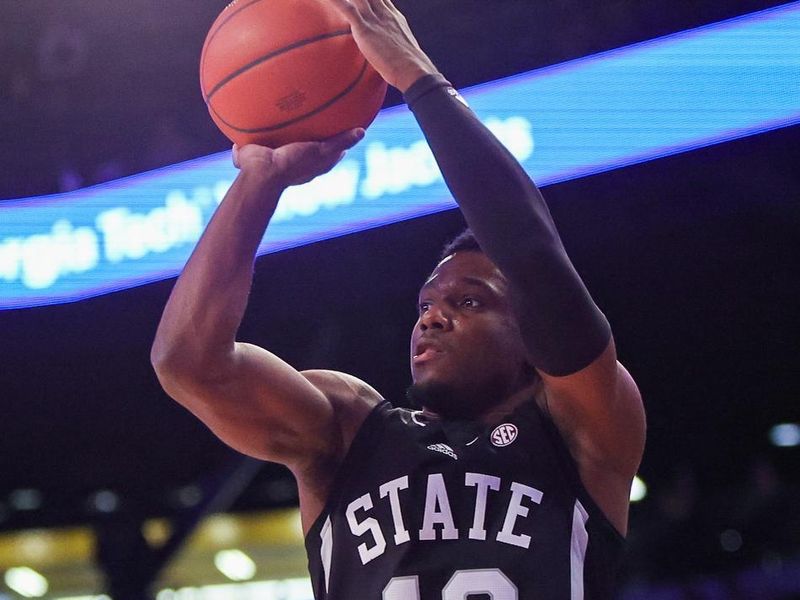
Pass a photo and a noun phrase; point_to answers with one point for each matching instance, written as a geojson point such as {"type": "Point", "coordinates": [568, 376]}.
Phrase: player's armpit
{"type": "Point", "coordinates": [599, 412]}
{"type": "Point", "coordinates": [351, 398]}
{"type": "Point", "coordinates": [261, 406]}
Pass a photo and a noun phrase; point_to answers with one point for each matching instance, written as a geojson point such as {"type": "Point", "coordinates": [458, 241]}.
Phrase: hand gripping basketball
{"type": "Point", "coordinates": [385, 39]}
{"type": "Point", "coordinates": [279, 71]}
{"type": "Point", "coordinates": [298, 162]}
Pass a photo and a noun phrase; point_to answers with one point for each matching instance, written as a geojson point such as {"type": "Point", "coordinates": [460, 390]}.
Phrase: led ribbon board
{"type": "Point", "coordinates": [668, 95]}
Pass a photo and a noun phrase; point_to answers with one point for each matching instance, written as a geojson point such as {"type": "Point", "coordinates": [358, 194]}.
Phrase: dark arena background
{"type": "Point", "coordinates": [110, 489]}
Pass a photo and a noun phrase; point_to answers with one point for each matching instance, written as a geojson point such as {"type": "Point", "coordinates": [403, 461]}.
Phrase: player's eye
{"type": "Point", "coordinates": [470, 302]}
{"type": "Point", "coordinates": [423, 307]}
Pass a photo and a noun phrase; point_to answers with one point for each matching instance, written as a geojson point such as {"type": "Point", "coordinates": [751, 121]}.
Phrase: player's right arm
{"type": "Point", "coordinates": [247, 396]}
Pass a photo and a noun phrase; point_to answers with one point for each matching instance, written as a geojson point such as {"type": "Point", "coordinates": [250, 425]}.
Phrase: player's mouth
{"type": "Point", "coordinates": [425, 352]}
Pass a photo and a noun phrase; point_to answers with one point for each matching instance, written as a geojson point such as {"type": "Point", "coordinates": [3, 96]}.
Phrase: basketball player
{"type": "Point", "coordinates": [512, 479]}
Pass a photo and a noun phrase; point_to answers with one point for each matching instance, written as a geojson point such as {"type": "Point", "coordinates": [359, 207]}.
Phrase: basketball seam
{"type": "Point", "coordinates": [213, 33]}
{"type": "Point", "coordinates": [273, 54]}
{"type": "Point", "coordinates": [318, 109]}
{"type": "Point", "coordinates": [233, 13]}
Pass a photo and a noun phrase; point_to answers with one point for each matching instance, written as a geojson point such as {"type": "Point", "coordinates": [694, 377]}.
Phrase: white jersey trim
{"type": "Point", "coordinates": [414, 418]}
{"type": "Point", "coordinates": [326, 550]}
{"type": "Point", "coordinates": [580, 540]}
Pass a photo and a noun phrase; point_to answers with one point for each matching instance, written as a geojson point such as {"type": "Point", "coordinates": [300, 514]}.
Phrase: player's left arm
{"type": "Point", "coordinates": [592, 399]}
{"type": "Point", "coordinates": [598, 410]}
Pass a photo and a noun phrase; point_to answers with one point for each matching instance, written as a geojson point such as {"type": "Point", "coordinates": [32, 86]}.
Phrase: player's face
{"type": "Point", "coordinates": [466, 340]}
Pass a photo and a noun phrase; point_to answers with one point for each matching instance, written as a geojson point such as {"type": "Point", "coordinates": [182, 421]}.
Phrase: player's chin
{"type": "Point", "coordinates": [436, 364]}
{"type": "Point", "coordinates": [431, 374]}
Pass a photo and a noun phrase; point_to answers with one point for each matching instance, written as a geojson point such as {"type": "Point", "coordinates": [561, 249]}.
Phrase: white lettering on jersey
{"type": "Point", "coordinates": [369, 524]}
{"type": "Point", "coordinates": [436, 496]}
{"type": "Point", "coordinates": [515, 509]}
{"type": "Point", "coordinates": [483, 483]}
{"type": "Point", "coordinates": [392, 489]}
{"type": "Point", "coordinates": [438, 521]}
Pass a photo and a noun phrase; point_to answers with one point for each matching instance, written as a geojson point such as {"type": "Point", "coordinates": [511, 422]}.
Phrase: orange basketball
{"type": "Point", "coordinates": [279, 71]}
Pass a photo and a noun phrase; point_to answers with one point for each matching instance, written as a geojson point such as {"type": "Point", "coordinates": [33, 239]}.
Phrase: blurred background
{"type": "Point", "coordinates": [107, 487]}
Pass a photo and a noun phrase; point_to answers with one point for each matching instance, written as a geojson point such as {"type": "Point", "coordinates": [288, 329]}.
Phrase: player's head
{"type": "Point", "coordinates": [463, 242]}
{"type": "Point", "coordinates": [467, 353]}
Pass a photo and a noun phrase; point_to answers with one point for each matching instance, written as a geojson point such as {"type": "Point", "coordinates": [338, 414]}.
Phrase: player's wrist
{"type": "Point", "coordinates": [414, 73]}
{"type": "Point", "coordinates": [265, 178]}
{"type": "Point", "coordinates": [423, 86]}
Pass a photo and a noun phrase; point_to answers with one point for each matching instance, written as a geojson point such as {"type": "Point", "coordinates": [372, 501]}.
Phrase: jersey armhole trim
{"type": "Point", "coordinates": [363, 438]}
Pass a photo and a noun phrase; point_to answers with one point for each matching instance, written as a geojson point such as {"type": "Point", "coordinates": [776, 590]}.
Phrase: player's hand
{"type": "Point", "coordinates": [298, 162]}
{"type": "Point", "coordinates": [384, 37]}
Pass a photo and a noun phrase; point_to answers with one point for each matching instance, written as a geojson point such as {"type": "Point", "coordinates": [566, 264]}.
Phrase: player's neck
{"type": "Point", "coordinates": [496, 412]}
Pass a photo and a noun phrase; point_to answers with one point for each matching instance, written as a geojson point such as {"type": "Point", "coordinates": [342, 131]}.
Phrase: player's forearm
{"type": "Point", "coordinates": [198, 327]}
{"type": "Point", "coordinates": [563, 328]}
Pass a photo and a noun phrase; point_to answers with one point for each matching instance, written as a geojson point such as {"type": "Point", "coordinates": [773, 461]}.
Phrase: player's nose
{"type": "Point", "coordinates": [435, 318]}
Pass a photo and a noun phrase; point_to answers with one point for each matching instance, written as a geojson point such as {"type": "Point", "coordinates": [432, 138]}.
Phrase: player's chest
{"type": "Point", "coordinates": [426, 490]}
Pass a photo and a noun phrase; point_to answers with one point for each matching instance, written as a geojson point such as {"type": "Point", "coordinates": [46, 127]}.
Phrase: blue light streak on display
{"type": "Point", "coordinates": [629, 105]}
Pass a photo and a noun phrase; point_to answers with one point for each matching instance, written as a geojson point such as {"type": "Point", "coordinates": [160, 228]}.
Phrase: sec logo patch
{"type": "Point", "coordinates": [504, 434]}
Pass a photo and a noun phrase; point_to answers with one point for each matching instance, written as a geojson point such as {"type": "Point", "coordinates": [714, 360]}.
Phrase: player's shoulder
{"type": "Point", "coordinates": [351, 398]}
{"type": "Point", "coordinates": [342, 386]}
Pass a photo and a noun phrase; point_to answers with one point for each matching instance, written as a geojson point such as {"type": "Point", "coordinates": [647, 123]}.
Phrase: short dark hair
{"type": "Point", "coordinates": [466, 242]}
{"type": "Point", "coordinates": [463, 241]}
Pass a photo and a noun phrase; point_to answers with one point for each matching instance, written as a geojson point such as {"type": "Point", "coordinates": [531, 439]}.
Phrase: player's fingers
{"type": "Point", "coordinates": [345, 7]}
{"type": "Point", "coordinates": [364, 6]}
{"type": "Point", "coordinates": [328, 162]}
{"type": "Point", "coordinates": [235, 155]}
{"type": "Point", "coordinates": [387, 5]}
{"type": "Point", "coordinates": [352, 10]}
{"type": "Point", "coordinates": [384, 9]}
{"type": "Point", "coordinates": [342, 141]}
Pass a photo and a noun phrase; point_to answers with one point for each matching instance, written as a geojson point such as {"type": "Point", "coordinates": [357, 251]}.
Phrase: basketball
{"type": "Point", "coordinates": [280, 71]}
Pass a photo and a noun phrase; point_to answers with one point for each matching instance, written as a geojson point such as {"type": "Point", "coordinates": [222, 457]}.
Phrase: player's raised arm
{"type": "Point", "coordinates": [250, 398]}
{"type": "Point", "coordinates": [591, 397]}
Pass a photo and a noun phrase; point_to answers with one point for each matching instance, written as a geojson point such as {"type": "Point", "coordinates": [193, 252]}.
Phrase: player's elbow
{"type": "Point", "coordinates": [180, 357]}
{"type": "Point", "coordinates": [181, 374]}
{"type": "Point", "coordinates": [160, 356]}
{"type": "Point", "coordinates": [165, 354]}
{"type": "Point", "coordinates": [169, 368]}
{"type": "Point", "coordinates": [174, 379]}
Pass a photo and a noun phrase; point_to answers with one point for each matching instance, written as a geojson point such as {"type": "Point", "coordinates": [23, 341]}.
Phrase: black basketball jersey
{"type": "Point", "coordinates": [426, 509]}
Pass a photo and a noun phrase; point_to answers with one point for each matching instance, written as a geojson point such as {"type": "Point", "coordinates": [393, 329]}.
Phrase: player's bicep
{"type": "Point", "coordinates": [261, 406]}
{"type": "Point", "coordinates": [600, 413]}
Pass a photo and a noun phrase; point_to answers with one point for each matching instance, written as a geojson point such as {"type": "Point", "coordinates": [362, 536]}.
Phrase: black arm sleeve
{"type": "Point", "coordinates": [563, 329]}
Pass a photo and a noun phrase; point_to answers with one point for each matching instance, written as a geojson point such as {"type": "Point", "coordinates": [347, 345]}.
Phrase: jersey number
{"type": "Point", "coordinates": [461, 585]}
